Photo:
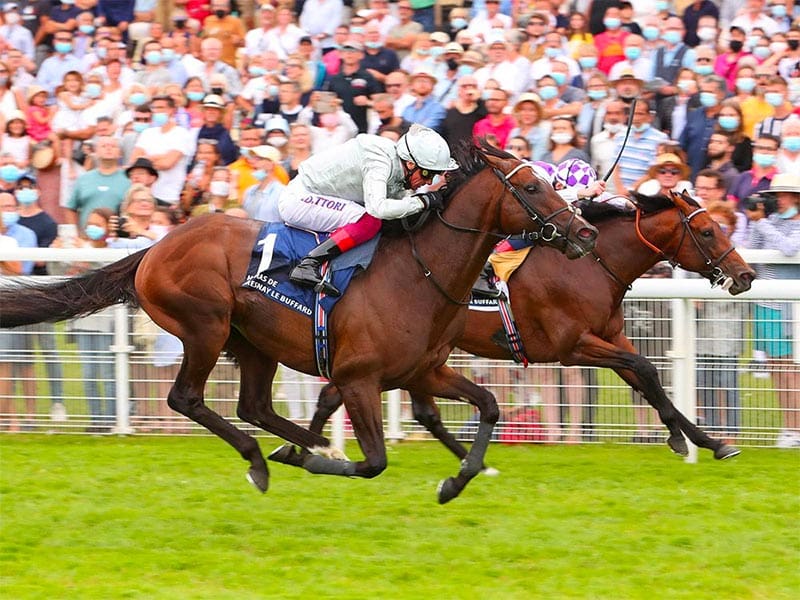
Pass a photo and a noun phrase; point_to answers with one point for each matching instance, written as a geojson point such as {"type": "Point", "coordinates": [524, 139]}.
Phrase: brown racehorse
{"type": "Point", "coordinates": [393, 327]}
{"type": "Point", "coordinates": [571, 312]}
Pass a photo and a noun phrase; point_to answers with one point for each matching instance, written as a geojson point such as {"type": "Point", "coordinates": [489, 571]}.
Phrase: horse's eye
{"type": "Point", "coordinates": [531, 188]}
{"type": "Point", "coordinates": [708, 233]}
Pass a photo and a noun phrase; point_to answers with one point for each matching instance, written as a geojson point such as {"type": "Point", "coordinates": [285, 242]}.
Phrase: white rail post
{"type": "Point", "coordinates": [394, 430]}
{"type": "Point", "coordinates": [683, 355]}
{"type": "Point", "coordinates": [337, 428]}
{"type": "Point", "coordinates": [122, 350]}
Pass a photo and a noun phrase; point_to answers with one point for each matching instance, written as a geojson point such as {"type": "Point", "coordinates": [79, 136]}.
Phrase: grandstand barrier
{"type": "Point", "coordinates": [661, 320]}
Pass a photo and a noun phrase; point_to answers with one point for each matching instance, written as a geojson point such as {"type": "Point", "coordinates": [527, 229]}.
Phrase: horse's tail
{"type": "Point", "coordinates": [30, 302]}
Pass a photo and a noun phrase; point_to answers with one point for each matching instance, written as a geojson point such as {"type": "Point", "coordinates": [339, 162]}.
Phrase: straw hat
{"type": "Point", "coordinates": [785, 182]}
{"type": "Point", "coordinates": [668, 158]}
{"type": "Point", "coordinates": [423, 72]}
{"type": "Point", "coordinates": [529, 97]}
{"type": "Point", "coordinates": [472, 58]}
{"type": "Point", "coordinates": [266, 151]}
{"type": "Point", "coordinates": [43, 157]}
{"type": "Point", "coordinates": [33, 90]}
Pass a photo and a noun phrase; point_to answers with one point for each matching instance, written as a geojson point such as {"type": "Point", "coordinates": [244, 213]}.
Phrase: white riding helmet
{"type": "Point", "coordinates": [426, 149]}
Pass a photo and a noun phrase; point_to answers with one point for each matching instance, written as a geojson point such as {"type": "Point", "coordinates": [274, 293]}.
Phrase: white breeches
{"type": "Point", "coordinates": [301, 208]}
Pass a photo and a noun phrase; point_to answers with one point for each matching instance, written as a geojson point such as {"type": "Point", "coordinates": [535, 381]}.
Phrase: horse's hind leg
{"type": "Point", "coordinates": [186, 397]}
{"type": "Point", "coordinates": [444, 382]}
{"type": "Point", "coordinates": [255, 396]}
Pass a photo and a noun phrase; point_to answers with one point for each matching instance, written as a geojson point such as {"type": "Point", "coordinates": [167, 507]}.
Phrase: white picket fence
{"type": "Point", "coordinates": [583, 405]}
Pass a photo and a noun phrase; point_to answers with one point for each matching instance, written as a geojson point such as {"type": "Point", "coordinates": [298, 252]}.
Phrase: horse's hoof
{"type": "Point", "coordinates": [490, 471]}
{"type": "Point", "coordinates": [447, 490]}
{"type": "Point", "coordinates": [678, 445]}
{"type": "Point", "coordinates": [283, 454]}
{"type": "Point", "coordinates": [259, 479]}
{"type": "Point", "coordinates": [726, 451]}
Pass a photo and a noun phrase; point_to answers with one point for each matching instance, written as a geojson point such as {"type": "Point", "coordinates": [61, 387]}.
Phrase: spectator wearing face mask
{"type": "Point", "coordinates": [758, 178]}
{"type": "Point", "coordinates": [789, 156]}
{"type": "Point", "coordinates": [776, 96]}
{"type": "Point", "coordinates": [32, 216]}
{"type": "Point", "coordinates": [696, 10]}
{"type": "Point", "coordinates": [229, 30]}
{"type": "Point", "coordinates": [220, 196]}
{"type": "Point", "coordinates": [15, 33]}
{"type": "Point", "coordinates": [701, 121]}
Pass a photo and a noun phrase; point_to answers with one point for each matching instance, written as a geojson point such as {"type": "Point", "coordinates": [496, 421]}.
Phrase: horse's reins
{"type": "Point", "coordinates": [548, 231]}
{"type": "Point", "coordinates": [715, 274]}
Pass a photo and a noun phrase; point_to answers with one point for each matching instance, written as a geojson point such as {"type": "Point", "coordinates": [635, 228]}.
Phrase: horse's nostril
{"type": "Point", "coordinates": [587, 234]}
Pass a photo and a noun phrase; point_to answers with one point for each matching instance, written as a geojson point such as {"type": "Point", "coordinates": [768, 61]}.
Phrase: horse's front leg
{"type": "Point", "coordinates": [641, 375]}
{"type": "Point", "coordinates": [444, 382]}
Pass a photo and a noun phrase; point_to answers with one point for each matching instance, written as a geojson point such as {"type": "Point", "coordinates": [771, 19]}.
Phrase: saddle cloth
{"type": "Point", "coordinates": [280, 247]}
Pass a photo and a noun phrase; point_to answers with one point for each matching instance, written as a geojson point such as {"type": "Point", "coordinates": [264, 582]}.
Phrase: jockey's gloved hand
{"type": "Point", "coordinates": [433, 200]}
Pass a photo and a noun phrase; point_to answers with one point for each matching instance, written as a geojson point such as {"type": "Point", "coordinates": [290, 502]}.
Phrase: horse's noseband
{"type": "Point", "coordinates": [548, 231]}
{"type": "Point", "coordinates": [715, 274]}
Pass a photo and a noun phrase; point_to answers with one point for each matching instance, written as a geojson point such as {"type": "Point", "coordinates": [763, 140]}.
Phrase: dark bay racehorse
{"type": "Point", "coordinates": [394, 326]}
{"type": "Point", "coordinates": [571, 312]}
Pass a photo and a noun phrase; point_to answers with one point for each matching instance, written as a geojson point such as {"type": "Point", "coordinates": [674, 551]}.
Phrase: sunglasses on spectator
{"type": "Point", "coordinates": [141, 119]}
{"type": "Point", "coordinates": [669, 171]}
{"type": "Point", "coordinates": [210, 141]}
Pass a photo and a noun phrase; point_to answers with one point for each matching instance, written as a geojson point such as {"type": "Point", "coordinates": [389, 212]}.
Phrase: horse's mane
{"type": "Point", "coordinates": [471, 159]}
{"type": "Point", "coordinates": [598, 212]}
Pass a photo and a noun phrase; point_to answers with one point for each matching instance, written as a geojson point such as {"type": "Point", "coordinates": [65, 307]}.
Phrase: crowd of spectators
{"type": "Point", "coordinates": [204, 106]}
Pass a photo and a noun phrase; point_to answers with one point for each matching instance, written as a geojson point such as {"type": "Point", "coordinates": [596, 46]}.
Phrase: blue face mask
{"type": "Point", "coordinates": [596, 94]}
{"type": "Point", "coordinates": [774, 99]}
{"type": "Point", "coordinates": [651, 33]}
{"type": "Point", "coordinates": [672, 37]}
{"type": "Point", "coordinates": [548, 92]}
{"type": "Point", "coordinates": [778, 10]}
{"type": "Point", "coordinates": [259, 174]}
{"type": "Point", "coordinates": [640, 128]}
{"type": "Point", "coordinates": [746, 84]}
{"type": "Point", "coordinates": [791, 143]}
{"type": "Point", "coordinates": [458, 23]}
{"type": "Point", "coordinates": [612, 23]}
{"type": "Point", "coordinates": [764, 160]}
{"type": "Point", "coordinates": [273, 90]}
{"type": "Point", "coordinates": [708, 99]}
{"type": "Point", "coordinates": [87, 29]}
{"type": "Point", "coordinates": [101, 52]}
{"type": "Point", "coordinates": [95, 232]}
{"type": "Point", "coordinates": [195, 96]}
{"type": "Point", "coordinates": [588, 62]}
{"type": "Point", "coordinates": [256, 71]}
{"type": "Point", "coordinates": [153, 58]}
{"type": "Point", "coordinates": [762, 52]}
{"type": "Point", "coordinates": [10, 218]}
{"type": "Point", "coordinates": [789, 213]}
{"type": "Point", "coordinates": [372, 45]}
{"type": "Point", "coordinates": [63, 47]}
{"type": "Point", "coordinates": [661, 5]}
{"type": "Point", "coordinates": [139, 127]}
{"type": "Point", "coordinates": [27, 196]}
{"type": "Point", "coordinates": [167, 55]}
{"type": "Point", "coordinates": [465, 70]}
{"type": "Point", "coordinates": [137, 98]}
{"type": "Point", "coordinates": [632, 53]}
{"type": "Point", "coordinates": [436, 51]}
{"type": "Point", "coordinates": [729, 123]}
{"type": "Point", "coordinates": [552, 52]}
{"type": "Point", "coordinates": [560, 78]}
{"type": "Point", "coordinates": [703, 69]}
{"type": "Point", "coordinates": [10, 173]}
{"type": "Point", "coordinates": [93, 90]}
{"type": "Point", "coordinates": [160, 119]}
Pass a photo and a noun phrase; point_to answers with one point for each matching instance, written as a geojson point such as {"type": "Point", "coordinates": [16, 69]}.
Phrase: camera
{"type": "Point", "coordinates": [121, 233]}
{"type": "Point", "coordinates": [769, 201]}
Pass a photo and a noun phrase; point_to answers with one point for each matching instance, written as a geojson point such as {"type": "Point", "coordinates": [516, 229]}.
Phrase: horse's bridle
{"type": "Point", "coordinates": [548, 231]}
{"type": "Point", "coordinates": [714, 274]}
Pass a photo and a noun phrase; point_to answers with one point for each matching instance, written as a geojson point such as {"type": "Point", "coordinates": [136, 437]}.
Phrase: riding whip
{"type": "Point", "coordinates": [625, 141]}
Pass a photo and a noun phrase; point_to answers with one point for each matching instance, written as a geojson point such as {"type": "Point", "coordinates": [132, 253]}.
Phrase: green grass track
{"type": "Point", "coordinates": [174, 518]}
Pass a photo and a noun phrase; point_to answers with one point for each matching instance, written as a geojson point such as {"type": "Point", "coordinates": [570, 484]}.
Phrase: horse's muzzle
{"type": "Point", "coordinates": [742, 281]}
{"type": "Point", "coordinates": [581, 242]}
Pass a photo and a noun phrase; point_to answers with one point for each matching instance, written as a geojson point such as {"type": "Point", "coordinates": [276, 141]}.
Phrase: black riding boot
{"type": "Point", "coordinates": [484, 288]}
{"type": "Point", "coordinates": [307, 272]}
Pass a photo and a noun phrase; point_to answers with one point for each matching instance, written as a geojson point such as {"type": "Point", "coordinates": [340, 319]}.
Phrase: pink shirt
{"type": "Point", "coordinates": [37, 131]}
{"type": "Point", "coordinates": [501, 132]}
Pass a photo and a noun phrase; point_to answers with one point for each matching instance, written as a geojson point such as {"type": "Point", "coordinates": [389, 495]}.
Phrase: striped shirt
{"type": "Point", "coordinates": [639, 154]}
